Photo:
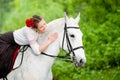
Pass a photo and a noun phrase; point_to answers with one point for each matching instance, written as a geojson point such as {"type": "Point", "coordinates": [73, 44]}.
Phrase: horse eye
{"type": "Point", "coordinates": [72, 35]}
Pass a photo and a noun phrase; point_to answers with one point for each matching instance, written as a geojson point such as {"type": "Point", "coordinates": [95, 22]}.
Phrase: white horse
{"type": "Point", "coordinates": [38, 67]}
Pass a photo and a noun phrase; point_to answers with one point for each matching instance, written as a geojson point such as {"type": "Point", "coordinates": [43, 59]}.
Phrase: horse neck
{"type": "Point", "coordinates": [54, 26]}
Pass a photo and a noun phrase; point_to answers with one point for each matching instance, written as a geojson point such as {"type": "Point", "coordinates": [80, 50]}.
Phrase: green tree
{"type": "Point", "coordinates": [5, 7]}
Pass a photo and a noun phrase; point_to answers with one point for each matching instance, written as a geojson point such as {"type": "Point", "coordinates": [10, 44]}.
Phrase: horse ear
{"type": "Point", "coordinates": [66, 17]}
{"type": "Point", "coordinates": [77, 18]}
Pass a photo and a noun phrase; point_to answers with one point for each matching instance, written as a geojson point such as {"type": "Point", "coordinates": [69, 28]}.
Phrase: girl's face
{"type": "Point", "coordinates": [41, 27]}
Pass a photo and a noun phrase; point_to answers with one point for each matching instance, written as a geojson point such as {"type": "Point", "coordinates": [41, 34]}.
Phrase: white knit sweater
{"type": "Point", "coordinates": [27, 36]}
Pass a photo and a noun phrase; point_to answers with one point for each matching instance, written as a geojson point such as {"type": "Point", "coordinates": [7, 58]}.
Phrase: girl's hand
{"type": "Point", "coordinates": [53, 37]}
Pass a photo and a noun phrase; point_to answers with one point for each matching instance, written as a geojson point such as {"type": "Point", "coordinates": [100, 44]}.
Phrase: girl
{"type": "Point", "coordinates": [29, 34]}
{"type": "Point", "coordinates": [10, 42]}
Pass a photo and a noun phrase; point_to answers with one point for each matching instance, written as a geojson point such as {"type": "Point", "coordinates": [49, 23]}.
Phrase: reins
{"type": "Point", "coordinates": [22, 50]}
{"type": "Point", "coordinates": [53, 55]}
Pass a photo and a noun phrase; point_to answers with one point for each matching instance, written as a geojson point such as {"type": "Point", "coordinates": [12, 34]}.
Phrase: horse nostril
{"type": "Point", "coordinates": [81, 61]}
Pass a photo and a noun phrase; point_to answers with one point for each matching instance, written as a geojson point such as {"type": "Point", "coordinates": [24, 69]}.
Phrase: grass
{"type": "Point", "coordinates": [108, 74]}
{"type": "Point", "coordinates": [66, 71]}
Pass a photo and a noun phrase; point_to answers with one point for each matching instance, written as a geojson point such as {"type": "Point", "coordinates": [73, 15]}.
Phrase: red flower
{"type": "Point", "coordinates": [30, 22]}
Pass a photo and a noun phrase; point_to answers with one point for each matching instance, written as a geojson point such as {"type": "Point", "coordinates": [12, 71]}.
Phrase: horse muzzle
{"type": "Point", "coordinates": [79, 63]}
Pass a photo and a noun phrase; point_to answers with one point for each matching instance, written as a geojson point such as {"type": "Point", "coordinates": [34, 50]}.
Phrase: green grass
{"type": "Point", "coordinates": [68, 72]}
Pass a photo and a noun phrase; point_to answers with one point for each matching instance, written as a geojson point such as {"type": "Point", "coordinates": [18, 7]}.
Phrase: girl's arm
{"type": "Point", "coordinates": [51, 39]}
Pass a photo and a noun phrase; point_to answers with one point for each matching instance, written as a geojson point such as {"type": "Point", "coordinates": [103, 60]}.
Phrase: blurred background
{"type": "Point", "coordinates": [100, 24]}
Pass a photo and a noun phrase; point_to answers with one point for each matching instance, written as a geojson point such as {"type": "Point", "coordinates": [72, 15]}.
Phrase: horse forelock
{"type": "Point", "coordinates": [72, 22]}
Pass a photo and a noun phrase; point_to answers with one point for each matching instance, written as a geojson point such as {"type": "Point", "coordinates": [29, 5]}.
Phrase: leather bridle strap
{"type": "Point", "coordinates": [70, 48]}
{"type": "Point", "coordinates": [76, 49]}
{"type": "Point", "coordinates": [53, 55]}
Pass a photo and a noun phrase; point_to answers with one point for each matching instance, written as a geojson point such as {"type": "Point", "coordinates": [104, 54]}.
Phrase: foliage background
{"type": "Point", "coordinates": [100, 24]}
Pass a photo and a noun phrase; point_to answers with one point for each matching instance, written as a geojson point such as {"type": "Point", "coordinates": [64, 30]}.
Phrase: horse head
{"type": "Point", "coordinates": [72, 41]}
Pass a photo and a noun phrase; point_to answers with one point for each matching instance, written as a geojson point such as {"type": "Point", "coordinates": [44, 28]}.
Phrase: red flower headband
{"type": "Point", "coordinates": [30, 22]}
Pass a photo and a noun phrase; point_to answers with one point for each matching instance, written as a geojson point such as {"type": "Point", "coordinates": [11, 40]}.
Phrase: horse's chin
{"type": "Point", "coordinates": [77, 65]}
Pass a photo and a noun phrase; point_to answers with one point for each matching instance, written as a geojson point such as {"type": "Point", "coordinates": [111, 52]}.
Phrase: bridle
{"type": "Point", "coordinates": [69, 46]}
